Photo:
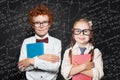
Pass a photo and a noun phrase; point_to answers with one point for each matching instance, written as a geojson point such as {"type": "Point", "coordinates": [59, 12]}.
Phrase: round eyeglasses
{"type": "Point", "coordinates": [38, 24]}
{"type": "Point", "coordinates": [78, 31]}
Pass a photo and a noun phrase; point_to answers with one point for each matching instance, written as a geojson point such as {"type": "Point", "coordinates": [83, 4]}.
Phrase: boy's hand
{"type": "Point", "coordinates": [23, 64]}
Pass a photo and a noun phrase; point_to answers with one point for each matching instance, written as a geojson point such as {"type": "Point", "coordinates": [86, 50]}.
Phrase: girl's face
{"type": "Point", "coordinates": [41, 25]}
{"type": "Point", "coordinates": [82, 32]}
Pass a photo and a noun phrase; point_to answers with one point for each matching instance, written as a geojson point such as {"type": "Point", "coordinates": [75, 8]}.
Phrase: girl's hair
{"type": "Point", "coordinates": [40, 10]}
{"type": "Point", "coordinates": [73, 40]}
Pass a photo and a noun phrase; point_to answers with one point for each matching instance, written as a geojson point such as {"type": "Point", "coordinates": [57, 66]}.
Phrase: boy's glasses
{"type": "Point", "coordinates": [78, 31]}
{"type": "Point", "coordinates": [38, 24]}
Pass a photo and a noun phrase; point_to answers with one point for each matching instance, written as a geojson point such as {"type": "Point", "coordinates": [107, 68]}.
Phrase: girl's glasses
{"type": "Point", "coordinates": [78, 31]}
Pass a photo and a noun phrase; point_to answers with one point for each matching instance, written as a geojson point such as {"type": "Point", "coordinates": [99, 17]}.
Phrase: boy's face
{"type": "Point", "coordinates": [41, 25]}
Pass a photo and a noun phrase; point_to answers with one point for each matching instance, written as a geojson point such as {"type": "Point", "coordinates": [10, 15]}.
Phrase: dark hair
{"type": "Point", "coordinates": [40, 10]}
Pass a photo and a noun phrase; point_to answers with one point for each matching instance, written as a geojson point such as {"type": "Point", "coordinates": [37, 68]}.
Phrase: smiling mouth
{"type": "Point", "coordinates": [41, 29]}
{"type": "Point", "coordinates": [82, 38]}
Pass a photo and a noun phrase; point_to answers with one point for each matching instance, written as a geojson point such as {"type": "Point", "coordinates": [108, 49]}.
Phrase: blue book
{"type": "Point", "coordinates": [35, 49]}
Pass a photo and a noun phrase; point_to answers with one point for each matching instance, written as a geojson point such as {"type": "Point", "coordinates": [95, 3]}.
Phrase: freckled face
{"type": "Point", "coordinates": [41, 30]}
{"type": "Point", "coordinates": [81, 39]}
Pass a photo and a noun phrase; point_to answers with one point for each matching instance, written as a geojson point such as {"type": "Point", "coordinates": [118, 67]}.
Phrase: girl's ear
{"type": "Point", "coordinates": [92, 39]}
{"type": "Point", "coordinates": [72, 35]}
{"type": "Point", "coordinates": [91, 36]}
{"type": "Point", "coordinates": [72, 40]}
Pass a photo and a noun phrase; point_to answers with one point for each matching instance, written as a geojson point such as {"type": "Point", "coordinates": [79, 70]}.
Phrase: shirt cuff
{"type": "Point", "coordinates": [37, 62]}
{"type": "Point", "coordinates": [95, 75]}
{"type": "Point", "coordinates": [66, 73]}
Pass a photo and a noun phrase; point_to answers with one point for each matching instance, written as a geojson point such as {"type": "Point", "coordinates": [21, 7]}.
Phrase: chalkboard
{"type": "Point", "coordinates": [14, 28]}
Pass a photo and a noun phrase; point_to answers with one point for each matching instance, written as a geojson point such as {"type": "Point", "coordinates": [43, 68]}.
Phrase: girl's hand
{"type": "Point", "coordinates": [49, 57]}
{"type": "Point", "coordinates": [88, 65]}
{"type": "Point", "coordinates": [76, 68]}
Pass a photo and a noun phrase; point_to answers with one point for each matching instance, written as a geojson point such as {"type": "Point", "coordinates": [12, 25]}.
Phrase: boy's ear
{"type": "Point", "coordinates": [33, 26]}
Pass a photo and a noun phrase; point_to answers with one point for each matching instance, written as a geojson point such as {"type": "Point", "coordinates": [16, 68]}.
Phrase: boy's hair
{"type": "Point", "coordinates": [40, 10]}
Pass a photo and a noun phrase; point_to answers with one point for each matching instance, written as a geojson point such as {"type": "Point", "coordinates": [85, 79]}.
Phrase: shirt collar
{"type": "Point", "coordinates": [38, 37]}
{"type": "Point", "coordinates": [88, 46]}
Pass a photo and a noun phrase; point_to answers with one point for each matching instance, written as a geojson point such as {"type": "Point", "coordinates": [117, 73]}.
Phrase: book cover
{"type": "Point", "coordinates": [80, 59]}
{"type": "Point", "coordinates": [35, 49]}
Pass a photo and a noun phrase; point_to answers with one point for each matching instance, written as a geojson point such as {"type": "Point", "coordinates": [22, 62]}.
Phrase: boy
{"type": "Point", "coordinates": [46, 66]}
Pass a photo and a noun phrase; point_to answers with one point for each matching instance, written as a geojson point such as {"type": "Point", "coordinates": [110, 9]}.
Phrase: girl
{"type": "Point", "coordinates": [82, 42]}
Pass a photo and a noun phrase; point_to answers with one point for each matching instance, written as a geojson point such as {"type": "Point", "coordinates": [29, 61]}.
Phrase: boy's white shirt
{"type": "Point", "coordinates": [98, 62]}
{"type": "Point", "coordinates": [46, 69]}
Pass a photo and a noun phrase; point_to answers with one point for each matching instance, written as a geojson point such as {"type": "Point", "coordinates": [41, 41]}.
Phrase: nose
{"type": "Point", "coordinates": [41, 26]}
{"type": "Point", "coordinates": [81, 33]}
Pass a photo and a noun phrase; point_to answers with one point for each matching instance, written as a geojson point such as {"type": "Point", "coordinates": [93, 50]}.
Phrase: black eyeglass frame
{"type": "Point", "coordinates": [41, 23]}
{"type": "Point", "coordinates": [90, 31]}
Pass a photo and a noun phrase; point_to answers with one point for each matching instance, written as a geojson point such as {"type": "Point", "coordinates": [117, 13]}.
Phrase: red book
{"type": "Point", "coordinates": [80, 59]}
